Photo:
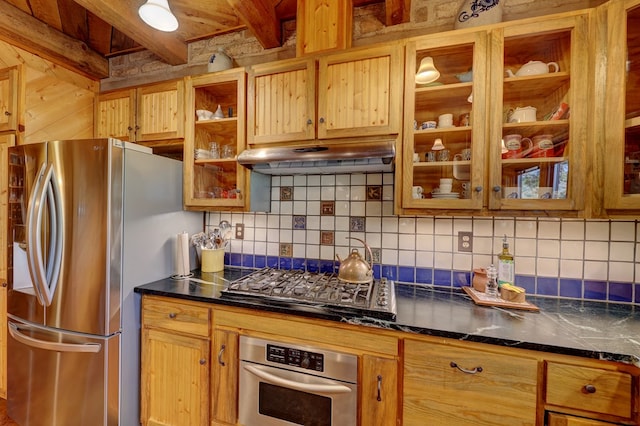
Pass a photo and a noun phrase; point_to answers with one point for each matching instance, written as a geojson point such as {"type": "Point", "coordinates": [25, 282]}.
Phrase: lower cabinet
{"type": "Point", "coordinates": [379, 386]}
{"type": "Point", "coordinates": [449, 385]}
{"type": "Point", "coordinates": [224, 377]}
{"type": "Point", "coordinates": [556, 419]}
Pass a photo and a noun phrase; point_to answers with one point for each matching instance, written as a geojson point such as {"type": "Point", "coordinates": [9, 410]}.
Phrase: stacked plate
{"type": "Point", "coordinates": [445, 194]}
{"type": "Point", "coordinates": [202, 154]}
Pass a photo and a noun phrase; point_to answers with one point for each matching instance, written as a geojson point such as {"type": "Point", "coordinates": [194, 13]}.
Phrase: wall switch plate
{"type": "Point", "coordinates": [239, 231]}
{"type": "Point", "coordinates": [465, 241]}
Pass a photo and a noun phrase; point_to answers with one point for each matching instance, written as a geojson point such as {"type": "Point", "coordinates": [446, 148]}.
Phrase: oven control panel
{"type": "Point", "coordinates": [295, 357]}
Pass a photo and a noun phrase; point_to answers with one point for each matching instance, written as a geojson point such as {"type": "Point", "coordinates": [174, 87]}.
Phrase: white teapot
{"type": "Point", "coordinates": [534, 68]}
{"type": "Point", "coordinates": [522, 115]}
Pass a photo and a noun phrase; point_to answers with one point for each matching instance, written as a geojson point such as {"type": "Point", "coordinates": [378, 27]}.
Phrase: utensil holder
{"type": "Point", "coordinates": [212, 260]}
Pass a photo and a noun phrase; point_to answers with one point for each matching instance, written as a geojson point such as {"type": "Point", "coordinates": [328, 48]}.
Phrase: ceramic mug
{"type": "Point", "coordinates": [445, 120]}
{"type": "Point", "coordinates": [428, 125]}
{"type": "Point", "coordinates": [465, 155]}
{"type": "Point", "coordinates": [443, 155]}
{"type": "Point", "coordinates": [446, 184]}
{"type": "Point", "coordinates": [542, 146]}
{"type": "Point", "coordinates": [514, 144]}
{"type": "Point", "coordinates": [430, 156]}
{"type": "Point", "coordinates": [416, 157]}
{"type": "Point", "coordinates": [510, 192]}
{"type": "Point", "coordinates": [416, 192]}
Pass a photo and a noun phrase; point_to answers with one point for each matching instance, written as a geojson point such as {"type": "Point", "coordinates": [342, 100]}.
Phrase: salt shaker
{"type": "Point", "coordinates": [492, 281]}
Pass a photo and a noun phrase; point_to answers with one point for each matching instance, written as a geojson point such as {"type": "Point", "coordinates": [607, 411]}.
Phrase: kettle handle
{"type": "Point", "coordinates": [368, 249]}
{"type": "Point", "coordinates": [554, 65]}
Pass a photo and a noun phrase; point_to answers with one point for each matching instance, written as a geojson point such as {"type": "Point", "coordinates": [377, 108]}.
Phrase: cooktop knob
{"type": "Point", "coordinates": [305, 361]}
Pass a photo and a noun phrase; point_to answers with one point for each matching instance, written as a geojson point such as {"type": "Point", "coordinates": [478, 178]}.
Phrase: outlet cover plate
{"type": "Point", "coordinates": [239, 231]}
{"type": "Point", "coordinates": [465, 241]}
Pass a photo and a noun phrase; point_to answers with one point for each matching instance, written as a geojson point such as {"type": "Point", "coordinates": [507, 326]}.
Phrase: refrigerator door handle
{"type": "Point", "coordinates": [14, 331]}
{"type": "Point", "coordinates": [45, 279]}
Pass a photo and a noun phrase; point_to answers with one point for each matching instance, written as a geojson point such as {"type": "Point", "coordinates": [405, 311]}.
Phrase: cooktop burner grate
{"type": "Point", "coordinates": [325, 290]}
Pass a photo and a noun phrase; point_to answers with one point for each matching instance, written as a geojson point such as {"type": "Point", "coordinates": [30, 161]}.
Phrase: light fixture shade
{"type": "Point", "coordinates": [427, 72]}
{"type": "Point", "coordinates": [156, 14]}
{"type": "Point", "coordinates": [437, 145]}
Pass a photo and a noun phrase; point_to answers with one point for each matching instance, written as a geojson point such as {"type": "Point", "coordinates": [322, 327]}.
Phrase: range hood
{"type": "Point", "coordinates": [337, 157]}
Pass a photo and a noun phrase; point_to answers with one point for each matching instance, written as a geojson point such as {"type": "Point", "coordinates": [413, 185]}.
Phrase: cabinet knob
{"type": "Point", "coordinates": [309, 122]}
{"type": "Point", "coordinates": [129, 128]}
{"type": "Point", "coordinates": [464, 370]}
{"type": "Point", "coordinates": [203, 361]}
{"type": "Point", "coordinates": [7, 113]}
{"type": "Point", "coordinates": [589, 389]}
{"type": "Point", "coordinates": [321, 120]}
{"type": "Point", "coordinates": [172, 315]}
{"type": "Point", "coordinates": [496, 188]}
{"type": "Point", "coordinates": [3, 284]}
{"type": "Point", "coordinates": [478, 189]}
{"type": "Point", "coordinates": [220, 361]}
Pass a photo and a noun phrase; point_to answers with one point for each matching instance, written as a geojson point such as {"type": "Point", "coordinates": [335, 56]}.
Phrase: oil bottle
{"type": "Point", "coordinates": [506, 265]}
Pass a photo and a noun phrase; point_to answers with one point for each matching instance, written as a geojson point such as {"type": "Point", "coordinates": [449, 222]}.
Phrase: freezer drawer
{"type": "Point", "coordinates": [59, 378]}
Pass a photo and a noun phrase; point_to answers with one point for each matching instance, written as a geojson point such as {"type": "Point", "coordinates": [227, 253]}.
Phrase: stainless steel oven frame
{"type": "Point", "coordinates": [290, 384]}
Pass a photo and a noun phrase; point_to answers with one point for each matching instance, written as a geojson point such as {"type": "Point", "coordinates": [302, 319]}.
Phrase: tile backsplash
{"type": "Point", "coordinates": [312, 216]}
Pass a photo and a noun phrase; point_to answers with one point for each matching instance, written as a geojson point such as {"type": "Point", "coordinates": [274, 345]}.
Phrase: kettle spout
{"type": "Point", "coordinates": [338, 257]}
{"type": "Point", "coordinates": [510, 73]}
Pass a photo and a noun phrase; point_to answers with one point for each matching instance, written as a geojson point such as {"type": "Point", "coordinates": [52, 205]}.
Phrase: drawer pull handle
{"type": "Point", "coordinates": [379, 398]}
{"type": "Point", "coordinates": [220, 361]}
{"type": "Point", "coordinates": [172, 315]}
{"type": "Point", "coordinates": [464, 370]}
{"type": "Point", "coordinates": [203, 361]}
{"type": "Point", "coordinates": [589, 389]}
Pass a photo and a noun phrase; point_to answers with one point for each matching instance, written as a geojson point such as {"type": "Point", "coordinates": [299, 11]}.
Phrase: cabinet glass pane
{"type": "Point", "coordinates": [442, 126]}
{"type": "Point", "coordinates": [632, 134]}
{"type": "Point", "coordinates": [535, 130]}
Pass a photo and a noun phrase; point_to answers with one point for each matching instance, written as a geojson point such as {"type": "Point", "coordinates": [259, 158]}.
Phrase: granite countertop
{"type": "Point", "coordinates": [599, 330]}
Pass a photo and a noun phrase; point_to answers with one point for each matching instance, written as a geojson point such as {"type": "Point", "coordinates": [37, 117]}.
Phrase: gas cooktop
{"type": "Point", "coordinates": [322, 290]}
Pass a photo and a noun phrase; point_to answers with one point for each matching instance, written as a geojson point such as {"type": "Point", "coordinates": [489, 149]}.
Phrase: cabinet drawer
{"type": "Point", "coordinates": [176, 316]}
{"type": "Point", "coordinates": [590, 389]}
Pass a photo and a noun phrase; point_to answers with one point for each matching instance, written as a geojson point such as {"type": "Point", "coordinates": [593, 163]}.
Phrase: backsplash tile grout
{"type": "Point", "coordinates": [571, 258]}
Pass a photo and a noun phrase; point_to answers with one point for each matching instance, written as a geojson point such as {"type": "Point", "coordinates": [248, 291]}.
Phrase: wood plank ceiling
{"type": "Point", "coordinates": [84, 34]}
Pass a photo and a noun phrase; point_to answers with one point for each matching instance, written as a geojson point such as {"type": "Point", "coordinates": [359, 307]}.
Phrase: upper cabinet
{"type": "Point", "coordinates": [358, 95]}
{"type": "Point", "coordinates": [12, 92]}
{"type": "Point", "coordinates": [538, 108]}
{"type": "Point", "coordinates": [621, 153]}
{"type": "Point", "coordinates": [153, 115]}
{"type": "Point", "coordinates": [212, 176]}
{"type": "Point", "coordinates": [445, 123]}
{"type": "Point", "coordinates": [323, 26]}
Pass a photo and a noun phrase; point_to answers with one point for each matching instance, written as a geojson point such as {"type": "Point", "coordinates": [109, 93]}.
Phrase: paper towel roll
{"type": "Point", "coordinates": [182, 255]}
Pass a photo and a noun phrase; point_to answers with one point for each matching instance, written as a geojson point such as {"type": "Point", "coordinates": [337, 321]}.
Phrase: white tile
{"type": "Point", "coordinates": [374, 239]}
{"type": "Point", "coordinates": [526, 228]}
{"type": "Point", "coordinates": [286, 236]}
{"type": "Point", "coordinates": [389, 224]}
{"type": "Point", "coordinates": [481, 260]}
{"type": "Point", "coordinates": [327, 253]}
{"type": "Point", "coordinates": [525, 247]}
{"type": "Point", "coordinates": [299, 236]}
{"type": "Point", "coordinates": [406, 257]}
{"type": "Point", "coordinates": [328, 193]}
{"type": "Point", "coordinates": [572, 250]}
{"type": "Point", "coordinates": [260, 248]}
{"type": "Point", "coordinates": [443, 243]}
{"type": "Point", "coordinates": [260, 220]}
{"type": "Point", "coordinates": [621, 271]}
{"type": "Point", "coordinates": [235, 246]}
{"type": "Point", "coordinates": [462, 261]}
{"type": "Point", "coordinates": [547, 267]}
{"type": "Point", "coordinates": [596, 250]}
{"type": "Point", "coordinates": [638, 252]}
{"type": "Point", "coordinates": [442, 260]}
{"type": "Point", "coordinates": [313, 222]}
{"type": "Point", "coordinates": [504, 226]}
{"type": "Point", "coordinates": [273, 235]}
{"type": "Point", "coordinates": [388, 178]}
{"type": "Point", "coordinates": [313, 180]}
{"type": "Point", "coordinates": [358, 208]}
{"type": "Point", "coordinates": [389, 256]}
{"type": "Point", "coordinates": [424, 225]}
{"type": "Point", "coordinates": [342, 223]}
{"type": "Point", "coordinates": [273, 249]}
{"type": "Point", "coordinates": [299, 193]}
{"type": "Point", "coordinates": [444, 226]}
{"type": "Point", "coordinates": [358, 179]}
{"type": "Point", "coordinates": [260, 234]}
{"type": "Point", "coordinates": [424, 259]}
{"type": "Point", "coordinates": [548, 249]}
{"type": "Point", "coordinates": [275, 206]}
{"type": "Point", "coordinates": [462, 224]}
{"type": "Point", "coordinates": [387, 192]}
{"type": "Point", "coordinates": [406, 241]}
{"type": "Point", "coordinates": [358, 193]}
{"type": "Point", "coordinates": [373, 224]}
{"type": "Point", "coordinates": [374, 179]}
{"type": "Point", "coordinates": [286, 221]}
{"type": "Point", "coordinates": [286, 207]}
{"type": "Point", "coordinates": [299, 207]}
{"type": "Point", "coordinates": [341, 239]}
{"type": "Point", "coordinates": [389, 240]}
{"type": "Point", "coordinates": [483, 245]}
{"type": "Point", "coordinates": [313, 251]}
{"type": "Point", "coordinates": [286, 180]}
{"type": "Point", "coordinates": [549, 229]}
{"type": "Point", "coordinates": [327, 223]}
{"type": "Point", "coordinates": [483, 227]}
{"type": "Point", "coordinates": [597, 230]}
{"type": "Point", "coordinates": [387, 208]}
{"type": "Point", "coordinates": [525, 265]}
{"type": "Point", "coordinates": [299, 250]}
{"type": "Point", "coordinates": [342, 208]}
{"type": "Point", "coordinates": [424, 243]}
{"type": "Point", "coordinates": [373, 208]}
{"type": "Point", "coordinates": [571, 269]}
{"type": "Point", "coordinates": [275, 181]}
{"type": "Point", "coordinates": [343, 180]}
{"type": "Point", "coordinates": [313, 193]}
{"type": "Point", "coordinates": [595, 270]}
{"type": "Point", "coordinates": [249, 220]}
{"type": "Point", "coordinates": [343, 193]}
{"type": "Point", "coordinates": [300, 180]}
{"type": "Point", "coordinates": [622, 252]}
{"type": "Point", "coordinates": [573, 230]}
{"type": "Point", "coordinates": [407, 225]}
{"type": "Point", "coordinates": [327, 180]}
{"type": "Point", "coordinates": [623, 231]}
{"type": "Point", "coordinates": [313, 237]}
{"type": "Point", "coordinates": [249, 234]}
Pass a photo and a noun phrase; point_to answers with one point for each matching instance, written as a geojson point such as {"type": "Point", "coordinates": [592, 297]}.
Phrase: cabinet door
{"type": "Point", "coordinates": [224, 377]}
{"type": "Point", "coordinates": [621, 132]}
{"type": "Point", "coordinates": [160, 111]}
{"type": "Point", "coordinates": [12, 92]}
{"type": "Point", "coordinates": [379, 391]}
{"type": "Point", "coordinates": [213, 177]}
{"type": "Point", "coordinates": [281, 102]}
{"type": "Point", "coordinates": [450, 385]}
{"type": "Point", "coordinates": [539, 115]}
{"type": "Point", "coordinates": [323, 26]}
{"type": "Point", "coordinates": [175, 379]}
{"type": "Point", "coordinates": [459, 91]}
{"type": "Point", "coordinates": [360, 92]}
{"type": "Point", "coordinates": [115, 115]}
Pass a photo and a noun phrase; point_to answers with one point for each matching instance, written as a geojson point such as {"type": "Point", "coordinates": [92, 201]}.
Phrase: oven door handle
{"type": "Point", "coordinates": [305, 387]}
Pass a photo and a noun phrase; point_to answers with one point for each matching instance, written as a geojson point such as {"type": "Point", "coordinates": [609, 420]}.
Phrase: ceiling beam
{"type": "Point", "coordinates": [397, 12]}
{"type": "Point", "coordinates": [26, 32]}
{"type": "Point", "coordinates": [260, 16]}
{"type": "Point", "coordinates": [123, 15]}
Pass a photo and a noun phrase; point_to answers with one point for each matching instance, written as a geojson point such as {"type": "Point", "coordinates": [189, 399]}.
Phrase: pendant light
{"type": "Point", "coordinates": [156, 14]}
{"type": "Point", "coordinates": [427, 72]}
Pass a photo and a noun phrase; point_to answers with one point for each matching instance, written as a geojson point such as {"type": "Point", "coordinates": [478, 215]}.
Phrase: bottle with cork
{"type": "Point", "coordinates": [506, 265]}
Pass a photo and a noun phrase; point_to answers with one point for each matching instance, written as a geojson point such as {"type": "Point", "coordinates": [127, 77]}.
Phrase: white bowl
{"type": "Point", "coordinates": [204, 114]}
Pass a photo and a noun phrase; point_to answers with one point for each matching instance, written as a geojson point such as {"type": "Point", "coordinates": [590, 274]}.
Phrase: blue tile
{"type": "Point", "coordinates": [327, 266]}
{"type": "Point", "coordinates": [637, 293]}
{"type": "Point", "coordinates": [376, 271]}
{"type": "Point", "coordinates": [313, 265]}
{"type": "Point", "coordinates": [424, 275]}
{"type": "Point", "coordinates": [620, 292]}
{"type": "Point", "coordinates": [571, 288]}
{"type": "Point", "coordinates": [390, 272]}
{"type": "Point", "coordinates": [285, 263]}
{"type": "Point", "coordinates": [235, 259]}
{"type": "Point", "coordinates": [461, 279]}
{"type": "Point", "coordinates": [406, 274]}
{"type": "Point", "coordinates": [260, 261]}
{"type": "Point", "coordinates": [298, 263]}
{"type": "Point", "coordinates": [442, 277]}
{"type": "Point", "coordinates": [547, 286]}
{"type": "Point", "coordinates": [247, 260]}
{"type": "Point", "coordinates": [272, 261]}
{"type": "Point", "coordinates": [527, 282]}
{"type": "Point", "coordinates": [595, 290]}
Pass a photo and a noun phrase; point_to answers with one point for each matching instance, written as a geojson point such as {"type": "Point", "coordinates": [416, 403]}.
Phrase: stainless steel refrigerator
{"type": "Point", "coordinates": [88, 221]}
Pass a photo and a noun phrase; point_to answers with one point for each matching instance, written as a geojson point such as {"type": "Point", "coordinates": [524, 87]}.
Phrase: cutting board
{"type": "Point", "coordinates": [484, 300]}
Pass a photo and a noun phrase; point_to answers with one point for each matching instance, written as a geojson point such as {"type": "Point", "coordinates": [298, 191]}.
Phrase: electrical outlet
{"type": "Point", "coordinates": [465, 241]}
{"type": "Point", "coordinates": [239, 231]}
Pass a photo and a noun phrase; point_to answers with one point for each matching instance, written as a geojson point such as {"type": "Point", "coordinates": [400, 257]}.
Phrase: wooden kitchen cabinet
{"type": "Point", "coordinates": [463, 386]}
{"type": "Point", "coordinates": [174, 363]}
{"type": "Point", "coordinates": [620, 152]}
{"type": "Point", "coordinates": [556, 419]}
{"type": "Point", "coordinates": [358, 95]}
{"type": "Point", "coordinates": [547, 172]}
{"type": "Point", "coordinates": [213, 178]}
{"type": "Point", "coordinates": [152, 115]}
{"type": "Point", "coordinates": [12, 93]}
{"type": "Point", "coordinates": [379, 391]}
{"type": "Point", "coordinates": [224, 377]}
{"type": "Point", "coordinates": [460, 59]}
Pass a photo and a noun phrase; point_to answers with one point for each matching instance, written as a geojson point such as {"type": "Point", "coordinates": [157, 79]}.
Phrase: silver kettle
{"type": "Point", "coordinates": [355, 269]}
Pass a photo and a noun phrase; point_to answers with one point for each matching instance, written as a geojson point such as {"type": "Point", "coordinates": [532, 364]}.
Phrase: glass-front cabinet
{"type": "Point", "coordinates": [622, 117]}
{"type": "Point", "coordinates": [539, 108]}
{"type": "Point", "coordinates": [215, 135]}
{"type": "Point", "coordinates": [445, 122]}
